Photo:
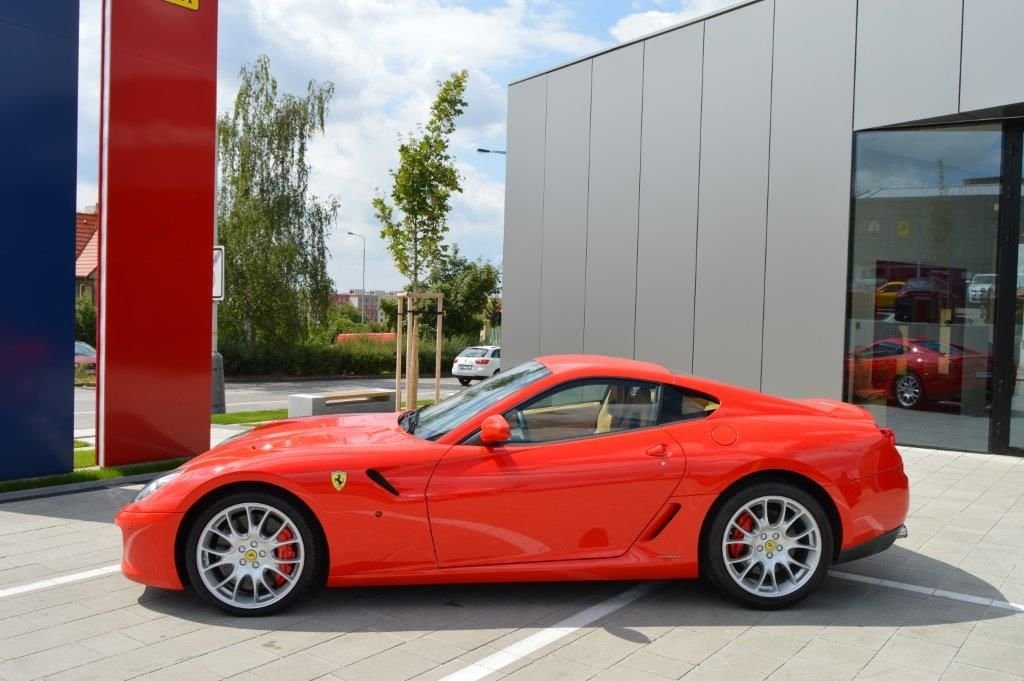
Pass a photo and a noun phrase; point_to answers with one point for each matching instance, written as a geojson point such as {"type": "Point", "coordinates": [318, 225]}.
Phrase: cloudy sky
{"type": "Point", "coordinates": [385, 57]}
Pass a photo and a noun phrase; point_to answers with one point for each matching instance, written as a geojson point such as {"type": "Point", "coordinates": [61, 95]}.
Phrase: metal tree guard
{"type": "Point", "coordinates": [408, 316]}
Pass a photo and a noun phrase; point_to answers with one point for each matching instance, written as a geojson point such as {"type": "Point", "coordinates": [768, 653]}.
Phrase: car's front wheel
{"type": "Point", "coordinates": [252, 553]}
{"type": "Point", "coordinates": [769, 545]}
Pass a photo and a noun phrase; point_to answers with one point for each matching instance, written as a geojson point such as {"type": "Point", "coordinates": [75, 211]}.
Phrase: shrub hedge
{"type": "Point", "coordinates": [354, 358]}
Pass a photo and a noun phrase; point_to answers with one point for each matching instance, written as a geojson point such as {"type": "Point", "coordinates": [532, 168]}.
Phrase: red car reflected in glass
{"type": "Point", "coordinates": [914, 371]}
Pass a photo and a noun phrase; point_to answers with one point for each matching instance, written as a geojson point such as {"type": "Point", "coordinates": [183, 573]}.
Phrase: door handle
{"type": "Point", "coordinates": [658, 450]}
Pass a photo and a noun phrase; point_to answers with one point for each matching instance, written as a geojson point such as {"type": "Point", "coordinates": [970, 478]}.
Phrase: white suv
{"type": "Point", "coordinates": [479, 362]}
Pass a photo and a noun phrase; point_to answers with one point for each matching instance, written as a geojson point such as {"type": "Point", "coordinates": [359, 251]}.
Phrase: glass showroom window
{"type": "Point", "coordinates": [922, 281]}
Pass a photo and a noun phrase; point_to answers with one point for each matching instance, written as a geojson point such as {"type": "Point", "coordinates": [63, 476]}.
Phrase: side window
{"type": "Point", "coordinates": [680, 404]}
{"type": "Point", "coordinates": [584, 409]}
{"type": "Point", "coordinates": [888, 350]}
{"type": "Point", "coordinates": [497, 353]}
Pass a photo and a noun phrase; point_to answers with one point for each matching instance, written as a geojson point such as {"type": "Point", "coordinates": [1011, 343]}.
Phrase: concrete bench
{"type": "Point", "coordinates": [347, 402]}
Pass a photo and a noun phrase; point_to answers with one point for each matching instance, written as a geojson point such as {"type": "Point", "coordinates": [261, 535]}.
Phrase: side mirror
{"type": "Point", "coordinates": [494, 430]}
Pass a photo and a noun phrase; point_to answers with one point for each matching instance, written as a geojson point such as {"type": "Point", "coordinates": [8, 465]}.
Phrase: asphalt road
{"type": "Point", "coordinates": [269, 394]}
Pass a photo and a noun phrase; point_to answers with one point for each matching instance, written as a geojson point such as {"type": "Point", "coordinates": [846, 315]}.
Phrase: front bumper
{"type": "Point", "coordinates": [148, 554]}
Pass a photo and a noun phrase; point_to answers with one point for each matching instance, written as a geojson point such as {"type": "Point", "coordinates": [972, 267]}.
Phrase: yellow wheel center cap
{"type": "Point", "coordinates": [769, 545]}
{"type": "Point", "coordinates": [250, 555]}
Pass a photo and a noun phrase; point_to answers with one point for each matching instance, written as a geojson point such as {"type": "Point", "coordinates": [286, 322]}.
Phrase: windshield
{"type": "Point", "coordinates": [437, 420]}
{"type": "Point", "coordinates": [984, 278]}
{"type": "Point", "coordinates": [473, 352]}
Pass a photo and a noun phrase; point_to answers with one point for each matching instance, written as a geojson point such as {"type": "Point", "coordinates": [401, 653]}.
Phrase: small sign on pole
{"type": "Point", "coordinates": [218, 273]}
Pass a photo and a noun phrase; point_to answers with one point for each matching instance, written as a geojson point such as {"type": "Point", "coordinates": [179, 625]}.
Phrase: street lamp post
{"type": "Point", "coordinates": [362, 296]}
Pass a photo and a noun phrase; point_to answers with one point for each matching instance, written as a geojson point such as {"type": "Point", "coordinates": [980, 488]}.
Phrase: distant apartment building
{"type": "Point", "coordinates": [367, 301]}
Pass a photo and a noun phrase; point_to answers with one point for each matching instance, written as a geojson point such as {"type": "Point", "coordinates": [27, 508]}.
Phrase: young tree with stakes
{"type": "Point", "coordinates": [415, 219]}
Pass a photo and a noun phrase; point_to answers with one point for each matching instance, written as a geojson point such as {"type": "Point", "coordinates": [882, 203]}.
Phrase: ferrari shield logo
{"type": "Point", "coordinates": [187, 4]}
{"type": "Point", "coordinates": [338, 479]}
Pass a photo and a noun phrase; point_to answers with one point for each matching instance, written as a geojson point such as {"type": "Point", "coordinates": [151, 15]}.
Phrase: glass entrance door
{"type": "Point", "coordinates": [921, 332]}
{"type": "Point", "coordinates": [1008, 402]}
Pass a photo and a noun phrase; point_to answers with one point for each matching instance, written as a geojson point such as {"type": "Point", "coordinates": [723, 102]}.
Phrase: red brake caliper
{"type": "Point", "coordinates": [286, 552]}
{"type": "Point", "coordinates": [747, 523]}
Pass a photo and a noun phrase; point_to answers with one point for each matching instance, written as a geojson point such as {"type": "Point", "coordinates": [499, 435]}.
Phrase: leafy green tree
{"type": "Point", "coordinates": [468, 286]}
{"type": "Point", "coordinates": [492, 311]}
{"type": "Point", "coordinates": [389, 306]}
{"type": "Point", "coordinates": [342, 318]}
{"type": "Point", "coordinates": [273, 229]}
{"type": "Point", "coordinates": [85, 320]}
{"type": "Point", "coordinates": [415, 220]}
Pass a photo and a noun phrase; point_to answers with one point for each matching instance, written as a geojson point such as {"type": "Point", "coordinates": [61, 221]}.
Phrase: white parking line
{"type": "Point", "coordinates": [928, 591]}
{"type": "Point", "coordinates": [531, 644]}
{"type": "Point", "coordinates": [58, 581]}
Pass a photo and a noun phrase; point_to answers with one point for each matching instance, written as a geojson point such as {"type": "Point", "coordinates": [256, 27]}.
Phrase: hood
{"type": "Point", "coordinates": [316, 433]}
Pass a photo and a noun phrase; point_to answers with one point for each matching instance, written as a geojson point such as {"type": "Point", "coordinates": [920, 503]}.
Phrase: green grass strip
{"type": "Point", "coordinates": [237, 417]}
{"type": "Point", "coordinates": [81, 443]}
{"type": "Point", "coordinates": [89, 474]}
{"type": "Point", "coordinates": [85, 458]}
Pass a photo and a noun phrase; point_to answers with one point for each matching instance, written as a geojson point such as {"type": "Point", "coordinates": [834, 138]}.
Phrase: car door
{"type": "Point", "coordinates": [586, 471]}
{"type": "Point", "coordinates": [875, 368]}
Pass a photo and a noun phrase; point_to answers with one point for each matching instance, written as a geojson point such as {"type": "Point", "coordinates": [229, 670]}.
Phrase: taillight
{"type": "Point", "coordinates": [889, 433]}
{"type": "Point", "coordinates": [483, 361]}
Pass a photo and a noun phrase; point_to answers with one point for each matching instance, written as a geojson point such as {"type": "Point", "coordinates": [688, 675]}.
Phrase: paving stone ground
{"type": "Point", "coordinates": [966, 538]}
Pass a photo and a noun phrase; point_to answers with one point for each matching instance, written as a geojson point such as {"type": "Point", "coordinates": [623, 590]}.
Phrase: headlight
{"type": "Point", "coordinates": [156, 484]}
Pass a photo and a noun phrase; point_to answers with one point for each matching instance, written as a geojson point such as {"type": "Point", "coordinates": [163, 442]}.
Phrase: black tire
{"type": "Point", "coordinates": [496, 372]}
{"type": "Point", "coordinates": [464, 381]}
{"type": "Point", "coordinates": [311, 545]}
{"type": "Point", "coordinates": [904, 386]}
{"type": "Point", "coordinates": [714, 551]}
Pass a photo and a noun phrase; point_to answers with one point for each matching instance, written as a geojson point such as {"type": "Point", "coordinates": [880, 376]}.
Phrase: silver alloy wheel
{"type": "Point", "coordinates": [908, 390]}
{"type": "Point", "coordinates": [772, 546]}
{"type": "Point", "coordinates": [250, 555]}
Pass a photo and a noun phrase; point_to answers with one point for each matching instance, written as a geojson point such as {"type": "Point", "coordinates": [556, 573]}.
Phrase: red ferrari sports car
{"type": "Point", "coordinates": [912, 371]}
{"type": "Point", "coordinates": [564, 468]}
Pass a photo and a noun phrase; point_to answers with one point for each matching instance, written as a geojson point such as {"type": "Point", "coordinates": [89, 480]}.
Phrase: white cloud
{"type": "Point", "coordinates": [641, 23]}
{"type": "Point", "coordinates": [385, 57]}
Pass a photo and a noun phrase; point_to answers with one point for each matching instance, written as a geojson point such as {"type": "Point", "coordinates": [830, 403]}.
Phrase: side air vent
{"type": "Point", "coordinates": [377, 477]}
{"type": "Point", "coordinates": [661, 522]}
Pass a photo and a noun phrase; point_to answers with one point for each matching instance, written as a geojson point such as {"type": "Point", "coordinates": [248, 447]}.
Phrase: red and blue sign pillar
{"type": "Point", "coordinates": [157, 200]}
{"type": "Point", "coordinates": [38, 138]}
{"type": "Point", "coordinates": [157, 193]}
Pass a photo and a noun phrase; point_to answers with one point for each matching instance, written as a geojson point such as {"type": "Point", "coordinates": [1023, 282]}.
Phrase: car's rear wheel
{"type": "Point", "coordinates": [252, 553]}
{"type": "Point", "coordinates": [769, 546]}
{"type": "Point", "coordinates": [465, 381]}
{"type": "Point", "coordinates": [909, 391]}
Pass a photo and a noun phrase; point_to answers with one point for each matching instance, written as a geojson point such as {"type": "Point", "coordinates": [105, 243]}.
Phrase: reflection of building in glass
{"type": "Point", "coordinates": [763, 193]}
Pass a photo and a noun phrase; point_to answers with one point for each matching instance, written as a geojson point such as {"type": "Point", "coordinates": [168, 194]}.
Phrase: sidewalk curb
{"type": "Point", "coordinates": [278, 378]}
{"type": "Point", "coordinates": [75, 487]}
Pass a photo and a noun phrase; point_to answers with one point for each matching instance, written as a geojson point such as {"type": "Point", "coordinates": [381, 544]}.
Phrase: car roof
{"type": "Point", "coordinates": [912, 341]}
{"type": "Point", "coordinates": [566, 364]}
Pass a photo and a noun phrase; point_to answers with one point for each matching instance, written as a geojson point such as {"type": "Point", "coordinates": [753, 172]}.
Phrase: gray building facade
{"type": "Point", "coordinates": [730, 196]}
